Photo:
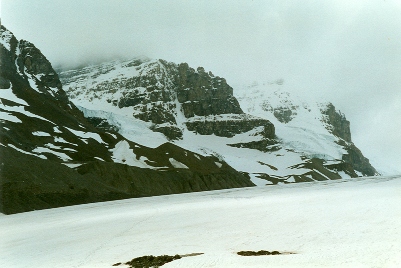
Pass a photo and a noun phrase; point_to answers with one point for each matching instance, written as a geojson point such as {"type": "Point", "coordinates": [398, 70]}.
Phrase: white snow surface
{"type": "Point", "coordinates": [122, 153]}
{"type": "Point", "coordinates": [40, 134]}
{"type": "Point", "coordinates": [8, 94]}
{"type": "Point", "coordinates": [347, 223]}
{"type": "Point", "coordinates": [306, 133]}
{"type": "Point", "coordinates": [131, 128]}
{"type": "Point", "coordinates": [9, 117]}
{"type": "Point", "coordinates": [177, 164]}
{"type": "Point", "coordinates": [86, 135]}
{"type": "Point", "coordinates": [41, 150]}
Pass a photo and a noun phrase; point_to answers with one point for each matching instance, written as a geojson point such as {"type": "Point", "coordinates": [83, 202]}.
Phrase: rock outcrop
{"type": "Point", "coordinates": [172, 97]}
{"type": "Point", "coordinates": [336, 122]}
{"type": "Point", "coordinates": [339, 126]}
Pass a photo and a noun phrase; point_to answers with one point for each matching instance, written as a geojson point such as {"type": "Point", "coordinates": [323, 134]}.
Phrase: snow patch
{"type": "Point", "coordinates": [57, 130]}
{"type": "Point", "coordinates": [122, 153]}
{"type": "Point", "coordinates": [71, 165]}
{"type": "Point", "coordinates": [8, 94]}
{"type": "Point", "coordinates": [62, 156]}
{"type": "Point", "coordinates": [177, 164]}
{"type": "Point", "coordinates": [9, 117]}
{"type": "Point", "coordinates": [86, 135]}
{"type": "Point", "coordinates": [41, 134]}
{"type": "Point", "coordinates": [218, 164]}
{"type": "Point", "coordinates": [25, 152]}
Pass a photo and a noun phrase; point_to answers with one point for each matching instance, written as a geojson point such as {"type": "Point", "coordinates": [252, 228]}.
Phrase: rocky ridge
{"type": "Point", "coordinates": [51, 155]}
{"type": "Point", "coordinates": [172, 97]}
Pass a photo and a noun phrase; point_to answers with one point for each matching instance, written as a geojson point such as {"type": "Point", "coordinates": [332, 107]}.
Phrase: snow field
{"type": "Point", "coordinates": [347, 223]}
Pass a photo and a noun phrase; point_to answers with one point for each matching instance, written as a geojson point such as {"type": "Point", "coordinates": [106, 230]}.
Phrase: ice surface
{"type": "Point", "coordinates": [343, 223]}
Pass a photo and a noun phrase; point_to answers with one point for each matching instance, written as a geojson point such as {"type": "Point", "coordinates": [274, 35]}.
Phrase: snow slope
{"type": "Point", "coordinates": [346, 223]}
{"type": "Point", "coordinates": [305, 133]}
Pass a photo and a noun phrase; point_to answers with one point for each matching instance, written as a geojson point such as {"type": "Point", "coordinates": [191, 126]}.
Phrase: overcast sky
{"type": "Point", "coordinates": [347, 52]}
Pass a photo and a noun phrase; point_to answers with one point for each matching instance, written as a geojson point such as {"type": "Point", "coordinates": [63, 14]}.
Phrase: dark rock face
{"type": "Point", "coordinates": [339, 125]}
{"type": "Point", "coordinates": [358, 161]}
{"type": "Point", "coordinates": [52, 156]}
{"type": "Point", "coordinates": [264, 145]}
{"type": "Point", "coordinates": [203, 94]}
{"type": "Point", "coordinates": [231, 126]}
{"type": "Point", "coordinates": [283, 114]}
{"type": "Point", "coordinates": [102, 124]}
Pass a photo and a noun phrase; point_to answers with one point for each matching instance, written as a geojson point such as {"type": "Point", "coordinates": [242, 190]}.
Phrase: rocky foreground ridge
{"type": "Point", "coordinates": [51, 155]}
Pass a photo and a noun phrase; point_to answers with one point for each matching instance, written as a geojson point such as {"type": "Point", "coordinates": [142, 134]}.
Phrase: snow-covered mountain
{"type": "Point", "coordinates": [258, 129]}
{"type": "Point", "coordinates": [51, 155]}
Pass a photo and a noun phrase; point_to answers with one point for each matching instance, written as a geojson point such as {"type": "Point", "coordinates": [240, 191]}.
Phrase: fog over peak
{"type": "Point", "coordinates": [346, 52]}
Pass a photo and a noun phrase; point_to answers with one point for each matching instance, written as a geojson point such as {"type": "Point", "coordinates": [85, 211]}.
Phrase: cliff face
{"type": "Point", "coordinates": [51, 155]}
{"type": "Point", "coordinates": [336, 122]}
{"type": "Point", "coordinates": [339, 126]}
{"type": "Point", "coordinates": [173, 97]}
{"type": "Point", "coordinates": [203, 94]}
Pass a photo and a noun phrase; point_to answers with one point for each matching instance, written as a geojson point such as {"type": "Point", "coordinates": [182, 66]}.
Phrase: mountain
{"type": "Point", "coordinates": [51, 155]}
{"type": "Point", "coordinates": [258, 129]}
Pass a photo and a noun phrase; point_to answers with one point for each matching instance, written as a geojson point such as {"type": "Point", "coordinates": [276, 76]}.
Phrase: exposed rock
{"type": "Point", "coordinates": [202, 94]}
{"type": "Point", "coordinates": [336, 122]}
{"type": "Point", "coordinates": [102, 124]}
{"type": "Point", "coordinates": [230, 125]}
{"type": "Point", "coordinates": [358, 161]}
{"type": "Point", "coordinates": [284, 115]}
{"type": "Point", "coordinates": [172, 132]}
{"type": "Point", "coordinates": [264, 145]}
{"type": "Point", "coordinates": [340, 126]}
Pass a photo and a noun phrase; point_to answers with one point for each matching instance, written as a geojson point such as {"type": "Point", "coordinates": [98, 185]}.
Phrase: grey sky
{"type": "Point", "coordinates": [347, 52]}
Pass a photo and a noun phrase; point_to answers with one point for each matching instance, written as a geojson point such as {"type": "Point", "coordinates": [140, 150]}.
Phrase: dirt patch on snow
{"type": "Point", "coordinates": [262, 253]}
{"type": "Point", "coordinates": [154, 261]}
